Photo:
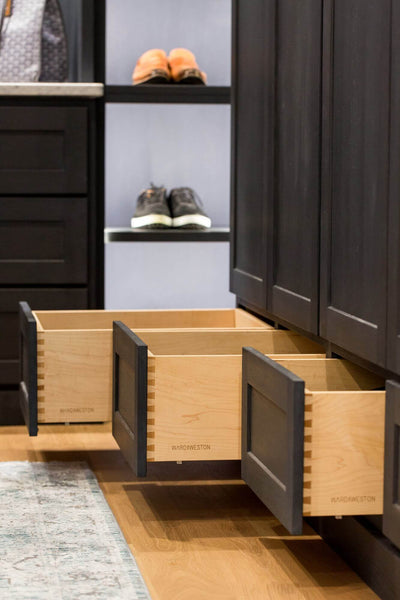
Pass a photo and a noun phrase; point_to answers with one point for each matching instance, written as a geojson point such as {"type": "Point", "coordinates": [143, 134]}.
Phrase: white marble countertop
{"type": "Point", "coordinates": [80, 90]}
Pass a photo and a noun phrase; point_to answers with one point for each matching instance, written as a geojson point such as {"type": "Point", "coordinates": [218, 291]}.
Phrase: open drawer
{"type": "Point", "coordinates": [312, 437]}
{"type": "Point", "coordinates": [177, 395]}
{"type": "Point", "coordinates": [66, 356]}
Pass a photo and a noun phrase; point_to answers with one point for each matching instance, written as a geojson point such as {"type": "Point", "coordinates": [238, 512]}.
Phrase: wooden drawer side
{"type": "Point", "coordinates": [343, 453]}
{"type": "Point", "coordinates": [210, 342]}
{"type": "Point", "coordinates": [151, 407]}
{"type": "Point", "coordinates": [151, 319]}
{"type": "Point", "coordinates": [74, 376]}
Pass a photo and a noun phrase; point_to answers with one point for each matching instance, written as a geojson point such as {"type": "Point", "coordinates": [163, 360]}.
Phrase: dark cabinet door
{"type": "Point", "coordinates": [252, 154]}
{"type": "Point", "coordinates": [276, 157]}
{"type": "Point", "coordinates": [294, 245]}
{"type": "Point", "coordinates": [355, 174]}
{"type": "Point", "coordinates": [393, 337]}
{"type": "Point", "coordinates": [391, 503]}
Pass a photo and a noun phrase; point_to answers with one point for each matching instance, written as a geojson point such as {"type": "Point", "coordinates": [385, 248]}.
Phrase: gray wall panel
{"type": "Point", "coordinates": [170, 145]}
{"type": "Point", "coordinates": [167, 275]}
{"type": "Point", "coordinates": [134, 26]}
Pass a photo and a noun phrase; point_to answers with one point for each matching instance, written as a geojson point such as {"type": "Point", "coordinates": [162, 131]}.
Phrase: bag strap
{"type": "Point", "coordinates": [5, 11]}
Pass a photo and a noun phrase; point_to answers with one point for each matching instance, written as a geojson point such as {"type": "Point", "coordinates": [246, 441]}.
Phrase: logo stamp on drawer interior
{"type": "Point", "coordinates": [353, 499]}
{"type": "Point", "coordinates": [78, 410]}
{"type": "Point", "coordinates": [190, 447]}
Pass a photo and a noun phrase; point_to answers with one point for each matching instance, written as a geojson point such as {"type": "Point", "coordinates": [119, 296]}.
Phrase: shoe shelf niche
{"type": "Point", "coordinates": [132, 27]}
{"type": "Point", "coordinates": [144, 133]}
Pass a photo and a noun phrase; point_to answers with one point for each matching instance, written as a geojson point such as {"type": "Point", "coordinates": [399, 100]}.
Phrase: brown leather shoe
{"type": "Point", "coordinates": [152, 67]}
{"type": "Point", "coordinates": [184, 68]}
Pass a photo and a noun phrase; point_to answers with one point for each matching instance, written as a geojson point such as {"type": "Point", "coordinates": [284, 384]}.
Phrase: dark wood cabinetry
{"type": "Point", "coordinates": [276, 146]}
{"type": "Point", "coordinates": [393, 321]}
{"type": "Point", "coordinates": [355, 175]}
{"type": "Point", "coordinates": [316, 219]}
{"type": "Point", "coordinates": [46, 298]}
{"type": "Point", "coordinates": [251, 155]}
{"type": "Point", "coordinates": [315, 215]}
{"type": "Point", "coordinates": [391, 515]}
{"type": "Point", "coordinates": [44, 240]}
{"type": "Point", "coordinates": [43, 150]}
{"type": "Point", "coordinates": [51, 216]}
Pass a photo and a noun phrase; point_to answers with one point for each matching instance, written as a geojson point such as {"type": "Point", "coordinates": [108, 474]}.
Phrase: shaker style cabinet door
{"type": "Point", "coordinates": [252, 152]}
{"type": "Point", "coordinates": [276, 157]}
{"type": "Point", "coordinates": [355, 175]}
{"type": "Point", "coordinates": [393, 337]}
{"type": "Point", "coordinates": [295, 199]}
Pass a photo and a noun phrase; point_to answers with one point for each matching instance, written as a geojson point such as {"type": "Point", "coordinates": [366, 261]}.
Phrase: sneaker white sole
{"type": "Point", "coordinates": [148, 220]}
{"type": "Point", "coordinates": [186, 220]}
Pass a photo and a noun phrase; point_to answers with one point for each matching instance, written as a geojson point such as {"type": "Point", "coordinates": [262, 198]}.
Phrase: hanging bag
{"type": "Point", "coordinates": [33, 44]}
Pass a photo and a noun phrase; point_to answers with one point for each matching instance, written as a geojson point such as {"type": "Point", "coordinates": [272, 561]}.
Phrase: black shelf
{"type": "Point", "coordinates": [169, 94]}
{"type": "Point", "coordinates": [126, 234]}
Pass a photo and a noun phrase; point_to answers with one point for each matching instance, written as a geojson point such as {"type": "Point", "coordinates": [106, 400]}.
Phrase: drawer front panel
{"type": "Point", "coordinates": [10, 412]}
{"type": "Point", "coordinates": [272, 462]}
{"type": "Point", "coordinates": [44, 240]}
{"type": "Point", "coordinates": [391, 510]}
{"type": "Point", "coordinates": [129, 415]}
{"type": "Point", "coordinates": [9, 323]}
{"type": "Point", "coordinates": [28, 387]}
{"type": "Point", "coordinates": [43, 150]}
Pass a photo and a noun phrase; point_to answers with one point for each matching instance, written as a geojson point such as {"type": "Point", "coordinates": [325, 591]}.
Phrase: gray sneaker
{"type": "Point", "coordinates": [152, 209]}
{"type": "Point", "coordinates": [185, 210]}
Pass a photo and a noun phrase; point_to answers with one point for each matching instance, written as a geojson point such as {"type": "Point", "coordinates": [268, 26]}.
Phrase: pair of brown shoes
{"type": "Point", "coordinates": [154, 66]}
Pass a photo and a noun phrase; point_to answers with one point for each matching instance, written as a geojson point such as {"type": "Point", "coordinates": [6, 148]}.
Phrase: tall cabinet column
{"type": "Point", "coordinates": [276, 158]}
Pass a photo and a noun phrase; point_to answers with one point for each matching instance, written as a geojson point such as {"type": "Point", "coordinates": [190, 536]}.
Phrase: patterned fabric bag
{"type": "Point", "coordinates": [33, 44]}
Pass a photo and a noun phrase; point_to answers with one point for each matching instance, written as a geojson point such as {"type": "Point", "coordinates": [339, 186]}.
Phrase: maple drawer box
{"type": "Point", "coordinates": [66, 356]}
{"type": "Point", "coordinates": [312, 437]}
{"type": "Point", "coordinates": [177, 395]}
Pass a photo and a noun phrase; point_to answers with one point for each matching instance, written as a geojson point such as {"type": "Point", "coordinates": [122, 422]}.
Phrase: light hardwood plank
{"type": "Point", "coordinates": [197, 532]}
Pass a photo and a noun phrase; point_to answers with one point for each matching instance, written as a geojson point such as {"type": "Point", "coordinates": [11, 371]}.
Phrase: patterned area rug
{"type": "Point", "coordinates": [59, 539]}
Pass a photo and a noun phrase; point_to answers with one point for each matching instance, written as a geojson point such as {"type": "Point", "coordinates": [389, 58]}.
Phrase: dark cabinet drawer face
{"type": "Point", "coordinates": [43, 240]}
{"type": "Point", "coordinates": [45, 299]}
{"type": "Point", "coordinates": [10, 412]}
{"type": "Point", "coordinates": [391, 508]}
{"type": "Point", "coordinates": [43, 150]}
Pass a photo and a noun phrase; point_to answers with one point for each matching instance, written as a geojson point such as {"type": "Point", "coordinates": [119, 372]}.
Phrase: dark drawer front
{"type": "Point", "coordinates": [391, 504]}
{"type": "Point", "coordinates": [10, 412]}
{"type": "Point", "coordinates": [43, 150]}
{"type": "Point", "coordinates": [272, 463]}
{"type": "Point", "coordinates": [43, 240]}
{"type": "Point", "coordinates": [129, 415]}
{"type": "Point", "coordinates": [43, 299]}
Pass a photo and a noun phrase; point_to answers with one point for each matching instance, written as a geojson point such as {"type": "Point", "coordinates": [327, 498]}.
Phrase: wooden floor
{"type": "Point", "coordinates": [197, 532]}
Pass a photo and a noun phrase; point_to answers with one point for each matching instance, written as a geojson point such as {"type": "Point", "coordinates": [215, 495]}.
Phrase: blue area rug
{"type": "Point", "coordinates": [59, 539]}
